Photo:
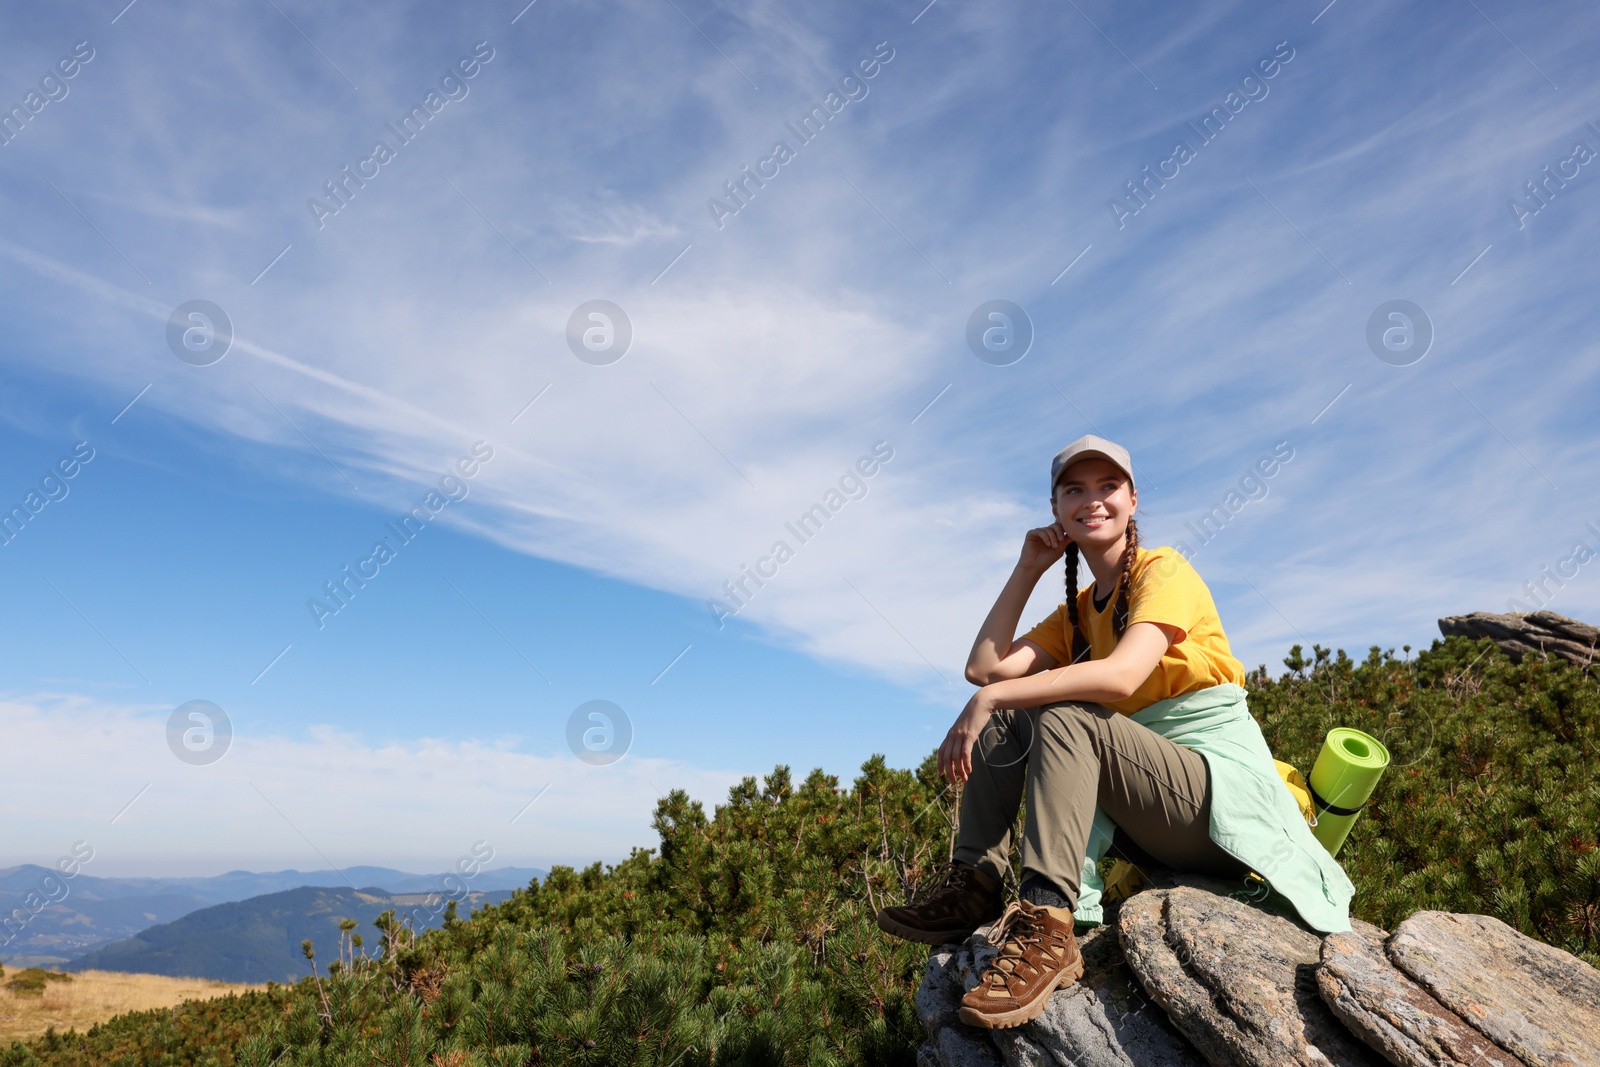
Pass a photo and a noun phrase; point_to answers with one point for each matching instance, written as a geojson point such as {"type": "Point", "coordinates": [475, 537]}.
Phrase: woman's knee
{"type": "Point", "coordinates": [1064, 727]}
{"type": "Point", "coordinates": [1069, 716]}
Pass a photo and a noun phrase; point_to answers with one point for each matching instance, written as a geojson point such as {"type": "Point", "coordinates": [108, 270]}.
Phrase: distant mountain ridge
{"type": "Point", "coordinates": [258, 939]}
{"type": "Point", "coordinates": [97, 911]}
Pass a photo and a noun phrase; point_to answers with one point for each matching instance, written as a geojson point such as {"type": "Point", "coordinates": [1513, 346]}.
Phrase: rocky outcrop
{"type": "Point", "coordinates": [1532, 999]}
{"type": "Point", "coordinates": [1522, 632]}
{"type": "Point", "coordinates": [1104, 1020]}
{"type": "Point", "coordinates": [1391, 1013]}
{"type": "Point", "coordinates": [1238, 981]}
{"type": "Point", "coordinates": [1183, 973]}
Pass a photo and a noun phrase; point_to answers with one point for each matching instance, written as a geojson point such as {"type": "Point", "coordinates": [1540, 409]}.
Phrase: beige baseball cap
{"type": "Point", "coordinates": [1090, 447]}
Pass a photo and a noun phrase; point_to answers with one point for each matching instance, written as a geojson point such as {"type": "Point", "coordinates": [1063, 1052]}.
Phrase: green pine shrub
{"type": "Point", "coordinates": [1491, 803]}
{"type": "Point", "coordinates": [31, 981]}
{"type": "Point", "coordinates": [747, 936]}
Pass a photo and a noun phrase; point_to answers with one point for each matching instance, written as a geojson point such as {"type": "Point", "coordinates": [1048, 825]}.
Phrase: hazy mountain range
{"type": "Point", "coordinates": [258, 939]}
{"type": "Point", "coordinates": [94, 912]}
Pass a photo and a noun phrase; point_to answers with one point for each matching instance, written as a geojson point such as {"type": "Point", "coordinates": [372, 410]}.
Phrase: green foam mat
{"type": "Point", "coordinates": [1346, 772]}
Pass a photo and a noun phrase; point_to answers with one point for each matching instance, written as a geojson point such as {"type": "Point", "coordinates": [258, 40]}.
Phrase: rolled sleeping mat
{"type": "Point", "coordinates": [1346, 772]}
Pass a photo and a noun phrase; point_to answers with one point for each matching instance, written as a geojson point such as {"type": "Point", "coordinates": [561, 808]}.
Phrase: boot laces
{"type": "Point", "coordinates": [1017, 930]}
{"type": "Point", "coordinates": [952, 877]}
{"type": "Point", "coordinates": [1027, 928]}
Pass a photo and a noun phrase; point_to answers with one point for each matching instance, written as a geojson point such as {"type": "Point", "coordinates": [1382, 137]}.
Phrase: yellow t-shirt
{"type": "Point", "coordinates": [1168, 590]}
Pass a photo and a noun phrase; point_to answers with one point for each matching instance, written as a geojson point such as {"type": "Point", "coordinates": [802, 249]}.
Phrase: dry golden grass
{"type": "Point", "coordinates": [95, 996]}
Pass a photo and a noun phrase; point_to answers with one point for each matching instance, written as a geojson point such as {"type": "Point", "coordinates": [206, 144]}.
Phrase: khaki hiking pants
{"type": "Point", "coordinates": [1071, 756]}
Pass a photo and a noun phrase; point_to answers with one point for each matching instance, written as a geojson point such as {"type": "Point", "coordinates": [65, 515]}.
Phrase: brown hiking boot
{"type": "Point", "coordinates": [1038, 954]}
{"type": "Point", "coordinates": [963, 898]}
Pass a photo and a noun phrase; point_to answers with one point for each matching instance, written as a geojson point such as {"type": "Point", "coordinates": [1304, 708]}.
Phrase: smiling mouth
{"type": "Point", "coordinates": [1095, 520]}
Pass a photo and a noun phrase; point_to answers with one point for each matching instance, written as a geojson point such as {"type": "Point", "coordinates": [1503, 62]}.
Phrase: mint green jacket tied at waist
{"type": "Point", "coordinates": [1254, 817]}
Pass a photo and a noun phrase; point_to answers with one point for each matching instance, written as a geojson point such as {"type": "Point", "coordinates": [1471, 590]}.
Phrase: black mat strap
{"type": "Point", "coordinates": [1332, 809]}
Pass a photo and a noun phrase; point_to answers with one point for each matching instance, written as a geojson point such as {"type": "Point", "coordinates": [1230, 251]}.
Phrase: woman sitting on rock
{"type": "Point", "coordinates": [1128, 723]}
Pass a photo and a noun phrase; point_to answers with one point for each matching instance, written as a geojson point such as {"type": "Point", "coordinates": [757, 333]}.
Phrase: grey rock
{"type": "Point", "coordinates": [951, 1043]}
{"type": "Point", "coordinates": [1250, 985]}
{"type": "Point", "coordinates": [963, 1046]}
{"type": "Point", "coordinates": [1103, 1020]}
{"type": "Point", "coordinates": [1528, 997]}
{"type": "Point", "coordinates": [1017, 1049]}
{"type": "Point", "coordinates": [1522, 632]}
{"type": "Point", "coordinates": [974, 957]}
{"type": "Point", "coordinates": [1236, 980]}
{"type": "Point", "coordinates": [1392, 1014]}
{"type": "Point", "coordinates": [1142, 929]}
{"type": "Point", "coordinates": [937, 1002]}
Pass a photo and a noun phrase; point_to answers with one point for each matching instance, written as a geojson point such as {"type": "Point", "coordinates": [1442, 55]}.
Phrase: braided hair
{"type": "Point", "coordinates": [1119, 615]}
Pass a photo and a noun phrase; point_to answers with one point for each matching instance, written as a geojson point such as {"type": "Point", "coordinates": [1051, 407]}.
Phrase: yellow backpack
{"type": "Point", "coordinates": [1299, 789]}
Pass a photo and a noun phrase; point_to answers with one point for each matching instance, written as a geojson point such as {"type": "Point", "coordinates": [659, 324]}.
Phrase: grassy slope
{"type": "Point", "coordinates": [95, 996]}
{"type": "Point", "coordinates": [748, 938]}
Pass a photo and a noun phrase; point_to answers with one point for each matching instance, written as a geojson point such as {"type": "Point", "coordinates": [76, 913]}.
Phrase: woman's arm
{"type": "Point", "coordinates": [1114, 678]}
{"type": "Point", "coordinates": [1100, 680]}
{"type": "Point", "coordinates": [996, 655]}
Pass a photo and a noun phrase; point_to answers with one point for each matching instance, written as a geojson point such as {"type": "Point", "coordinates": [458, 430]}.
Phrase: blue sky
{"type": "Point", "coordinates": [773, 347]}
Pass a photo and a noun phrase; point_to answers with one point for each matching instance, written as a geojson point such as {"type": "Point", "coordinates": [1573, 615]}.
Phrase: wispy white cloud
{"type": "Point", "coordinates": [610, 220]}
{"type": "Point", "coordinates": [779, 348]}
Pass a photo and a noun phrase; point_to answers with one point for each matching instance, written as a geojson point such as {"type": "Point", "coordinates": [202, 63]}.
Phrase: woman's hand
{"type": "Point", "coordinates": [1042, 547]}
{"type": "Point", "coordinates": [955, 755]}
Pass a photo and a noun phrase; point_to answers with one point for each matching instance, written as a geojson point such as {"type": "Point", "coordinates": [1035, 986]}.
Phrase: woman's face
{"type": "Point", "coordinates": [1094, 501]}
